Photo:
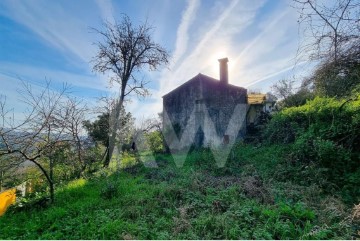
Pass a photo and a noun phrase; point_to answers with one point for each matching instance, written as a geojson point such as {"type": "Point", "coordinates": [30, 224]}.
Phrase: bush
{"type": "Point", "coordinates": [337, 120]}
{"type": "Point", "coordinates": [155, 141]}
{"type": "Point", "coordinates": [324, 134]}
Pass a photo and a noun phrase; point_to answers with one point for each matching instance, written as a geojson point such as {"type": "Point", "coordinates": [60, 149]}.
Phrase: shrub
{"type": "Point", "coordinates": [323, 134]}
{"type": "Point", "coordinates": [155, 141]}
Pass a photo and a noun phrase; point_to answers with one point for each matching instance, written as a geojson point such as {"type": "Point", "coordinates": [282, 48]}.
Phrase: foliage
{"type": "Point", "coordinates": [324, 131]}
{"type": "Point", "coordinates": [301, 184]}
{"type": "Point", "coordinates": [337, 79]}
{"type": "Point", "coordinates": [297, 99]}
{"type": "Point", "coordinates": [8, 165]}
{"type": "Point", "coordinates": [156, 142]}
{"type": "Point", "coordinates": [328, 118]}
{"type": "Point", "coordinates": [98, 130]}
{"type": "Point", "coordinates": [290, 96]}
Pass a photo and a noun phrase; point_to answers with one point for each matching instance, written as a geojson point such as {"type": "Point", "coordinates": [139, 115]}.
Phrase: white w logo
{"type": "Point", "coordinates": [200, 118]}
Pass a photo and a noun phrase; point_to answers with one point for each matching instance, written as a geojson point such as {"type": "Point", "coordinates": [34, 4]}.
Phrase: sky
{"type": "Point", "coordinates": [53, 40]}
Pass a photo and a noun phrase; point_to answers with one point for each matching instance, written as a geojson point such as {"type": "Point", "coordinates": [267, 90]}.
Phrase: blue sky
{"type": "Point", "coordinates": [53, 40]}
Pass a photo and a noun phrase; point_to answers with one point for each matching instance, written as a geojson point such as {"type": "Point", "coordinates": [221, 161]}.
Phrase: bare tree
{"type": "Point", "coordinates": [124, 52]}
{"type": "Point", "coordinates": [51, 123]}
{"type": "Point", "coordinates": [7, 164]}
{"type": "Point", "coordinates": [289, 95]}
{"type": "Point", "coordinates": [332, 36]}
{"type": "Point", "coordinates": [283, 88]}
{"type": "Point", "coordinates": [331, 28]}
{"type": "Point", "coordinates": [37, 135]}
{"type": "Point", "coordinates": [72, 118]}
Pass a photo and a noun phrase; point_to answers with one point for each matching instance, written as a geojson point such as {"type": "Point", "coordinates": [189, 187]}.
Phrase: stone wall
{"type": "Point", "coordinates": [200, 112]}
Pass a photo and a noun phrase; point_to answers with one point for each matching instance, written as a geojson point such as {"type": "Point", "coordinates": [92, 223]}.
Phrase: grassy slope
{"type": "Point", "coordinates": [258, 195]}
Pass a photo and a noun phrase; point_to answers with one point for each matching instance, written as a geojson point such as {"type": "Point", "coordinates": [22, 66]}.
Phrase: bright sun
{"type": "Point", "coordinates": [214, 63]}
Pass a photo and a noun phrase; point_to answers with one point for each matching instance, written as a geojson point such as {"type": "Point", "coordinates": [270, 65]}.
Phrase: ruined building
{"type": "Point", "coordinates": [205, 111]}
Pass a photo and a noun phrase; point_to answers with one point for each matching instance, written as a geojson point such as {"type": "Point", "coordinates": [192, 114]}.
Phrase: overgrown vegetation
{"type": "Point", "coordinates": [323, 133]}
{"type": "Point", "coordinates": [255, 196]}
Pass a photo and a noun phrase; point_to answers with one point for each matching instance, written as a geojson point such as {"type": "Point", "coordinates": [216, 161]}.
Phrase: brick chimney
{"type": "Point", "coordinates": [224, 71]}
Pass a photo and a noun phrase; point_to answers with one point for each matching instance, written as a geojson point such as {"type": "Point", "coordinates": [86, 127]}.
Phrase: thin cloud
{"type": "Point", "coordinates": [198, 57]}
{"type": "Point", "coordinates": [272, 51]}
{"type": "Point", "coordinates": [182, 32]}
{"type": "Point", "coordinates": [14, 98]}
{"type": "Point", "coordinates": [106, 10]}
{"type": "Point", "coordinates": [259, 49]}
{"type": "Point", "coordinates": [219, 33]}
{"type": "Point", "coordinates": [165, 84]}
{"type": "Point", "coordinates": [182, 38]}
{"type": "Point", "coordinates": [291, 67]}
{"type": "Point", "coordinates": [26, 72]}
{"type": "Point", "coordinates": [209, 34]}
{"type": "Point", "coordinates": [55, 25]}
{"type": "Point", "coordinates": [261, 35]}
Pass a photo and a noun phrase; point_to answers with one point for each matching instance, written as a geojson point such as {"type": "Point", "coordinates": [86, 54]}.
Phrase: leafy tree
{"type": "Point", "coordinates": [124, 52]}
{"type": "Point", "coordinates": [153, 129]}
{"type": "Point", "coordinates": [99, 129]}
{"type": "Point", "coordinates": [155, 141]}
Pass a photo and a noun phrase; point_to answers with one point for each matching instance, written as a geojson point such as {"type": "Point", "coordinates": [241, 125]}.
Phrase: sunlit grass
{"type": "Point", "coordinates": [76, 183]}
{"type": "Point", "coordinates": [197, 201]}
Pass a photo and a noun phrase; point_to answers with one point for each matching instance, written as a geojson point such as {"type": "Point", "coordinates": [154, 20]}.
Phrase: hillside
{"type": "Point", "coordinates": [258, 195]}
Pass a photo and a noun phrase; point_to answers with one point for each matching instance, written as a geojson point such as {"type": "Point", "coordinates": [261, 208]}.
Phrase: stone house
{"type": "Point", "coordinates": [205, 110]}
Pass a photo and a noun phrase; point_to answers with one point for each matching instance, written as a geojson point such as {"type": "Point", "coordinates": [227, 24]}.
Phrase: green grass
{"type": "Point", "coordinates": [257, 195]}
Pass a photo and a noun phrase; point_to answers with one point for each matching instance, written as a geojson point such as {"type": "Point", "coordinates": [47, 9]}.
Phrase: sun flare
{"type": "Point", "coordinates": [214, 64]}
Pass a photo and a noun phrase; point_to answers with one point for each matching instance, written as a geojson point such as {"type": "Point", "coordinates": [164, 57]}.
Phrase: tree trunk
{"type": "Point", "coordinates": [51, 181]}
{"type": "Point", "coordinates": [49, 177]}
{"type": "Point", "coordinates": [52, 192]}
{"type": "Point", "coordinates": [114, 126]}
{"type": "Point", "coordinates": [82, 163]}
{"type": "Point", "coordinates": [105, 153]}
{"type": "Point", "coordinates": [110, 150]}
